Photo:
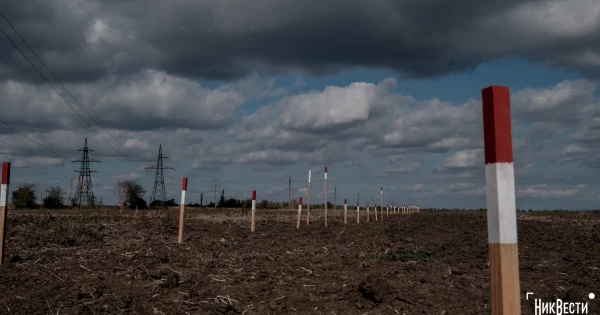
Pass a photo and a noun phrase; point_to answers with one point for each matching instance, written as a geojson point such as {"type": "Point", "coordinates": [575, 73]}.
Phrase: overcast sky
{"type": "Point", "coordinates": [385, 93]}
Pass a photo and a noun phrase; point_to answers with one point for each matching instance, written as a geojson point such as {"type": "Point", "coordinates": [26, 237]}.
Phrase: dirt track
{"type": "Point", "coordinates": [426, 263]}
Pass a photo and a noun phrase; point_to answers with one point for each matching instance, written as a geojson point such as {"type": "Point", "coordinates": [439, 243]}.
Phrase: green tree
{"type": "Point", "coordinates": [24, 197]}
{"type": "Point", "coordinates": [54, 198]}
{"type": "Point", "coordinates": [135, 193]}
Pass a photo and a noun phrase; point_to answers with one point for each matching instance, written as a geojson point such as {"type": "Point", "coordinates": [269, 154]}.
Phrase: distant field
{"type": "Point", "coordinates": [434, 262]}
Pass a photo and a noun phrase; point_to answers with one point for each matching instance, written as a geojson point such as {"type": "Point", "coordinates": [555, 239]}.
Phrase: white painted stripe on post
{"type": "Point", "coordinates": [183, 197]}
{"type": "Point", "coordinates": [3, 195]}
{"type": "Point", "coordinates": [501, 204]}
{"type": "Point", "coordinates": [253, 205]}
{"type": "Point", "coordinates": [309, 176]}
{"type": "Point", "coordinates": [299, 208]}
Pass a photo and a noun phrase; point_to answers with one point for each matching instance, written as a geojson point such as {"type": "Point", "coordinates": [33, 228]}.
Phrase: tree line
{"type": "Point", "coordinates": [131, 195]}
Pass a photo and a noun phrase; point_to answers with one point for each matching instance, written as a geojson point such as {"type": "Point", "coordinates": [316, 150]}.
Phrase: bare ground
{"type": "Point", "coordinates": [106, 262]}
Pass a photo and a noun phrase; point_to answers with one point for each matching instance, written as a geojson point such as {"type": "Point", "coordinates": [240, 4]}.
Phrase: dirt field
{"type": "Point", "coordinates": [103, 262]}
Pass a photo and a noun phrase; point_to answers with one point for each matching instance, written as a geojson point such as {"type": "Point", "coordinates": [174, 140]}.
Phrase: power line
{"type": "Point", "coordinates": [14, 146]}
{"type": "Point", "coordinates": [59, 82]}
{"type": "Point", "coordinates": [62, 97]}
{"type": "Point", "coordinates": [41, 145]}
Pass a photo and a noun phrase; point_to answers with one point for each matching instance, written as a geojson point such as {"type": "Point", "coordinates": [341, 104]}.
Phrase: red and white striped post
{"type": "Point", "coordinates": [345, 212]}
{"type": "Point", "coordinates": [182, 210]}
{"type": "Point", "coordinates": [308, 205]}
{"type": "Point", "coordinates": [325, 196]}
{"type": "Point", "coordinates": [299, 211]}
{"type": "Point", "coordinates": [253, 222]}
{"type": "Point", "coordinates": [357, 212]}
{"type": "Point", "coordinates": [501, 204]}
{"type": "Point", "coordinates": [3, 207]}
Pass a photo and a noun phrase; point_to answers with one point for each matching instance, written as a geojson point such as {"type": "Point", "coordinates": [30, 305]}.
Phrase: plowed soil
{"type": "Point", "coordinates": [106, 262]}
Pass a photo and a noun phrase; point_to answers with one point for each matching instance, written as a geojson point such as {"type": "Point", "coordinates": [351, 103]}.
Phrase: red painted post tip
{"type": "Point", "coordinates": [300, 201]}
{"type": "Point", "coordinates": [497, 124]}
{"type": "Point", "coordinates": [5, 172]}
{"type": "Point", "coordinates": [325, 169]}
{"type": "Point", "coordinates": [358, 203]}
{"type": "Point", "coordinates": [345, 201]}
{"type": "Point", "coordinates": [184, 186]}
{"type": "Point", "coordinates": [254, 195]}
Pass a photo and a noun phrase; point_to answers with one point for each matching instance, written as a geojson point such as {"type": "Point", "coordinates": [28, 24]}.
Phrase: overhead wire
{"type": "Point", "coordinates": [63, 98]}
{"type": "Point", "coordinates": [61, 84]}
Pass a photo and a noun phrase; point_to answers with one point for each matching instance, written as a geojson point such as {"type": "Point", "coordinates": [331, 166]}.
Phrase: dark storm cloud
{"type": "Point", "coordinates": [85, 40]}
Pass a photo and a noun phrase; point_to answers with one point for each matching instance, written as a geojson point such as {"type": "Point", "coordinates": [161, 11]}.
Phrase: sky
{"type": "Point", "coordinates": [252, 93]}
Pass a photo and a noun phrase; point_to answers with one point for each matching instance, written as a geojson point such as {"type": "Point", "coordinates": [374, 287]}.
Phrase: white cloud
{"type": "Point", "coordinates": [415, 188]}
{"type": "Point", "coordinates": [334, 105]}
{"type": "Point", "coordinates": [544, 191]}
{"type": "Point", "coordinates": [465, 159]}
{"type": "Point", "coordinates": [37, 161]}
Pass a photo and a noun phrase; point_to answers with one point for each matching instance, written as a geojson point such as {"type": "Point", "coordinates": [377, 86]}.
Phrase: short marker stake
{"type": "Point", "coordinates": [375, 209]}
{"type": "Point", "coordinates": [345, 212]}
{"type": "Point", "coordinates": [299, 211]}
{"type": "Point", "coordinates": [3, 207]}
{"type": "Point", "coordinates": [182, 210]}
{"type": "Point", "coordinates": [252, 220]}
{"type": "Point", "coordinates": [308, 205]}
{"type": "Point", "coordinates": [357, 212]}
{"type": "Point", "coordinates": [501, 204]}
{"type": "Point", "coordinates": [368, 214]}
{"type": "Point", "coordinates": [325, 196]}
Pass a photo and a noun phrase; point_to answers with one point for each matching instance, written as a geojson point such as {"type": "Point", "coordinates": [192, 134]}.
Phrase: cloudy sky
{"type": "Point", "coordinates": [385, 93]}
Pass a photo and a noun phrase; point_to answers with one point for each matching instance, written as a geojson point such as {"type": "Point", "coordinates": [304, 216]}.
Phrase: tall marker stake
{"type": "Point", "coordinates": [3, 206]}
{"type": "Point", "coordinates": [345, 212]}
{"type": "Point", "coordinates": [325, 196]}
{"type": "Point", "coordinates": [381, 203]}
{"type": "Point", "coordinates": [357, 212]}
{"type": "Point", "coordinates": [299, 211]}
{"type": "Point", "coordinates": [252, 222]}
{"type": "Point", "coordinates": [501, 204]}
{"type": "Point", "coordinates": [182, 210]}
{"type": "Point", "coordinates": [308, 205]}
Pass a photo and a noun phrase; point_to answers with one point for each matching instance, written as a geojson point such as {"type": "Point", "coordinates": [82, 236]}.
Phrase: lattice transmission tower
{"type": "Point", "coordinates": [84, 195]}
{"type": "Point", "coordinates": [159, 178]}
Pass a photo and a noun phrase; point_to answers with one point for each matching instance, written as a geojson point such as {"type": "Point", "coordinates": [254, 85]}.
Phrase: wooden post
{"type": "Point", "coordinates": [252, 222]}
{"type": "Point", "coordinates": [3, 207]}
{"type": "Point", "coordinates": [325, 196]}
{"type": "Point", "coordinates": [375, 209]}
{"type": "Point", "coordinates": [308, 205]}
{"type": "Point", "coordinates": [299, 211]}
{"type": "Point", "coordinates": [345, 212]}
{"type": "Point", "coordinates": [368, 214]}
{"type": "Point", "coordinates": [182, 210]}
{"type": "Point", "coordinates": [357, 212]}
{"type": "Point", "coordinates": [501, 204]}
{"type": "Point", "coordinates": [381, 204]}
